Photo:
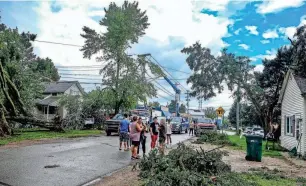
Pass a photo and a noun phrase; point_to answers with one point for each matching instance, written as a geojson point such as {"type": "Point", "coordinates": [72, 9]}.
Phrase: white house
{"type": "Point", "coordinates": [293, 108]}
{"type": "Point", "coordinates": [48, 106]}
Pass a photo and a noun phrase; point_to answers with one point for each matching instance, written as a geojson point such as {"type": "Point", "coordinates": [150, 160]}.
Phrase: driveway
{"type": "Point", "coordinates": [73, 162]}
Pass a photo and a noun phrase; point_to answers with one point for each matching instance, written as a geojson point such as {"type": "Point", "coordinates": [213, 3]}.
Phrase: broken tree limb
{"type": "Point", "coordinates": [55, 126]}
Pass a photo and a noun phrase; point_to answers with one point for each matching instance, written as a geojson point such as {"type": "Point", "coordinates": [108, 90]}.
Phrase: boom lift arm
{"type": "Point", "coordinates": [177, 95]}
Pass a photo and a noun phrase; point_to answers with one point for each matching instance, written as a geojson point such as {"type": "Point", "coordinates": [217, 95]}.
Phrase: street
{"type": "Point", "coordinates": [78, 161]}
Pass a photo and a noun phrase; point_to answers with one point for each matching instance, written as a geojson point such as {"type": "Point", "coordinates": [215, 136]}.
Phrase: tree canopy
{"type": "Point", "coordinates": [123, 75]}
{"type": "Point", "coordinates": [22, 74]}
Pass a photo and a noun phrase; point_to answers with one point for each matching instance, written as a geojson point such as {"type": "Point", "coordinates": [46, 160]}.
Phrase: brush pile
{"type": "Point", "coordinates": [185, 166]}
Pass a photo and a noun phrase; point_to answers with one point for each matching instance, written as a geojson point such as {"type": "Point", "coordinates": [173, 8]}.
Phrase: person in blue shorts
{"type": "Point", "coordinates": [124, 132]}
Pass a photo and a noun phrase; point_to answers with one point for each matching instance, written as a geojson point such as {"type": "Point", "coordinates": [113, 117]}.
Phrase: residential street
{"type": "Point", "coordinates": [79, 160]}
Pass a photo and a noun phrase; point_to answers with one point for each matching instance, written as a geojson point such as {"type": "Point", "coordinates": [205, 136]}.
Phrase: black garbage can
{"type": "Point", "coordinates": [254, 148]}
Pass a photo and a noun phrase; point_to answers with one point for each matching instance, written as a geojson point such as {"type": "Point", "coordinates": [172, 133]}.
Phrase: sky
{"type": "Point", "coordinates": [251, 28]}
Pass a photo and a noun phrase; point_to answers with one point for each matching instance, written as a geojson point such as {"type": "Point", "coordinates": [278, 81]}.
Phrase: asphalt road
{"type": "Point", "coordinates": [78, 161]}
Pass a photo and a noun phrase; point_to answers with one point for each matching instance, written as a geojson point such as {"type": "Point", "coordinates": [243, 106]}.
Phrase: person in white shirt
{"type": "Point", "coordinates": [169, 132]}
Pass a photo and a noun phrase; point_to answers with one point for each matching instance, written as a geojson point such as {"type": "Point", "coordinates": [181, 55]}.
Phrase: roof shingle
{"type": "Point", "coordinates": [301, 83]}
{"type": "Point", "coordinates": [60, 86]}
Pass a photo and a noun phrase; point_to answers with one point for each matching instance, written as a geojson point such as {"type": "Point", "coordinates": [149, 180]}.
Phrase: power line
{"type": "Point", "coordinates": [160, 85]}
{"type": "Point", "coordinates": [166, 71]}
{"type": "Point", "coordinates": [163, 97]}
{"type": "Point", "coordinates": [80, 74]}
{"type": "Point", "coordinates": [57, 43]}
{"type": "Point", "coordinates": [69, 70]}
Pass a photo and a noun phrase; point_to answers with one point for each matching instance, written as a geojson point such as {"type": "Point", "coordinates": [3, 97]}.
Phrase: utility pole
{"type": "Point", "coordinates": [187, 100]}
{"type": "Point", "coordinates": [238, 104]}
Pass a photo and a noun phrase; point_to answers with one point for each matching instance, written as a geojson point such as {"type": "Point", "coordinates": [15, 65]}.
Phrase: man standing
{"type": "Point", "coordinates": [154, 132]}
{"type": "Point", "coordinates": [124, 129]}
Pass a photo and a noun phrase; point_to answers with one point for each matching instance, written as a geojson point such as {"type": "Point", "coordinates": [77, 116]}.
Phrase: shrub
{"type": "Point", "coordinates": [215, 138]}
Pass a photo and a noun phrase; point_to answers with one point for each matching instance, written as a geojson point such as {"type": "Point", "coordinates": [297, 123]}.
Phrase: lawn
{"type": "Point", "coordinates": [240, 144]}
{"type": "Point", "coordinates": [33, 134]}
{"type": "Point", "coordinates": [266, 179]}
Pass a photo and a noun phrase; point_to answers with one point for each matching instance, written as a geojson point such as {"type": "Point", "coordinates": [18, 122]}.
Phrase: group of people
{"type": "Point", "coordinates": [132, 135]}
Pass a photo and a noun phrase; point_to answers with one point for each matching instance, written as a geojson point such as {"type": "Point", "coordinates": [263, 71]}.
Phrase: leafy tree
{"type": "Point", "coordinates": [232, 114]}
{"type": "Point", "coordinates": [122, 74]}
{"type": "Point", "coordinates": [172, 106]}
{"type": "Point", "coordinates": [210, 112]}
{"type": "Point", "coordinates": [20, 83]}
{"type": "Point", "coordinates": [271, 79]}
{"type": "Point", "coordinates": [154, 104]}
{"type": "Point", "coordinates": [183, 108]}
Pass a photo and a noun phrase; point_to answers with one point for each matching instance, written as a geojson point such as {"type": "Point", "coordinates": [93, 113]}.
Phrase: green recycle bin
{"type": "Point", "coordinates": [254, 148]}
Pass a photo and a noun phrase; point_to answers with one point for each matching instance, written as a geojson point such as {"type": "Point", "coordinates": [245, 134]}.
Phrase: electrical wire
{"type": "Point", "coordinates": [57, 43]}
{"type": "Point", "coordinates": [167, 71]}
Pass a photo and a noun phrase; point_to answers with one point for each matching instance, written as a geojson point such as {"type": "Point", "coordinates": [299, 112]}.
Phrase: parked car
{"type": "Point", "coordinates": [258, 131]}
{"type": "Point", "coordinates": [112, 125]}
{"type": "Point", "coordinates": [203, 124]}
{"type": "Point", "coordinates": [248, 130]}
{"type": "Point", "coordinates": [178, 126]}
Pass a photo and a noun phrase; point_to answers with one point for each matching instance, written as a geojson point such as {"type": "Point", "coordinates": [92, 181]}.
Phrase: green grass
{"type": "Point", "coordinates": [32, 134]}
{"type": "Point", "coordinates": [240, 144]}
{"type": "Point", "coordinates": [271, 179]}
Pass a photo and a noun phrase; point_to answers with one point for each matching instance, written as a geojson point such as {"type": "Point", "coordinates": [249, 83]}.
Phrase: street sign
{"type": "Point", "coordinates": [220, 111]}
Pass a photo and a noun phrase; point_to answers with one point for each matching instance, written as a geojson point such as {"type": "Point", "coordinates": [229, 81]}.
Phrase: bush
{"type": "Point", "coordinates": [215, 138]}
{"type": "Point", "coordinates": [188, 167]}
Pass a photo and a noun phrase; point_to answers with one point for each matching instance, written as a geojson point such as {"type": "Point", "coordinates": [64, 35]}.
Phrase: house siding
{"type": "Point", "coordinates": [292, 104]}
{"type": "Point", "coordinates": [73, 89]}
{"type": "Point", "coordinates": [304, 129]}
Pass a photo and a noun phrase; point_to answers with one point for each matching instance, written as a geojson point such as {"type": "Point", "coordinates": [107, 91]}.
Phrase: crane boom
{"type": "Point", "coordinates": [177, 95]}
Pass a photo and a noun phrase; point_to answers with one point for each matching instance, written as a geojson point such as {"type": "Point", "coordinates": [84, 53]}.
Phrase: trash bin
{"type": "Point", "coordinates": [254, 148]}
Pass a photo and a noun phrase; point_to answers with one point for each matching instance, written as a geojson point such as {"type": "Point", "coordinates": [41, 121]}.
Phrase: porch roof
{"type": "Point", "coordinates": [51, 101]}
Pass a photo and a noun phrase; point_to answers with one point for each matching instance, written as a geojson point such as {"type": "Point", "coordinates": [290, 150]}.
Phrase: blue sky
{"type": "Point", "coordinates": [251, 28]}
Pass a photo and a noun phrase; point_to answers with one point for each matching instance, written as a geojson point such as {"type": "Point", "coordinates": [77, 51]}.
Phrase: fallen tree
{"type": "Point", "coordinates": [22, 72]}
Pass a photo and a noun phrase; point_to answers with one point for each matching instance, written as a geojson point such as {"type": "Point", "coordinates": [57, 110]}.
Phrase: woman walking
{"type": "Point", "coordinates": [169, 132]}
{"type": "Point", "coordinates": [162, 136]}
{"type": "Point", "coordinates": [142, 137]}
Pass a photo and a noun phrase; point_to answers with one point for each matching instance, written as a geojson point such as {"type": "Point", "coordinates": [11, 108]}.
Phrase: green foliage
{"type": "Point", "coordinates": [183, 108]}
{"type": "Point", "coordinates": [154, 104]}
{"type": "Point", "coordinates": [248, 115]}
{"type": "Point", "coordinates": [210, 112]}
{"type": "Point", "coordinates": [215, 138]}
{"type": "Point", "coordinates": [172, 106]}
{"type": "Point", "coordinates": [24, 69]}
{"type": "Point", "coordinates": [123, 75]}
{"type": "Point", "coordinates": [185, 166]}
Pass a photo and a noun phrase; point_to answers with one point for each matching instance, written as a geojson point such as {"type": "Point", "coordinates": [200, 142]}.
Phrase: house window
{"type": "Point", "coordinates": [54, 94]}
{"type": "Point", "coordinates": [289, 125]}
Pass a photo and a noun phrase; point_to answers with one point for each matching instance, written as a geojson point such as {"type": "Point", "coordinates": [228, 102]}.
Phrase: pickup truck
{"type": "Point", "coordinates": [113, 124]}
{"type": "Point", "coordinates": [204, 124]}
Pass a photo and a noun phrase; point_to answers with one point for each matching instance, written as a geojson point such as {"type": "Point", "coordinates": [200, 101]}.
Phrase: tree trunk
{"type": "Point", "coordinates": [55, 125]}
{"type": "Point", "coordinates": [4, 127]}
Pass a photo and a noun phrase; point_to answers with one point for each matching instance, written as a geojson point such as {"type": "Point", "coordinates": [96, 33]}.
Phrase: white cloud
{"type": "Point", "coordinates": [288, 31]}
{"type": "Point", "coordinates": [303, 20]}
{"type": "Point", "coordinates": [265, 41]}
{"type": "Point", "coordinates": [277, 5]}
{"type": "Point", "coordinates": [252, 29]}
{"type": "Point", "coordinates": [165, 17]}
{"type": "Point", "coordinates": [244, 46]}
{"type": "Point", "coordinates": [270, 34]}
{"type": "Point", "coordinates": [270, 54]}
{"type": "Point", "coordinates": [237, 31]}
{"type": "Point", "coordinates": [259, 68]}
